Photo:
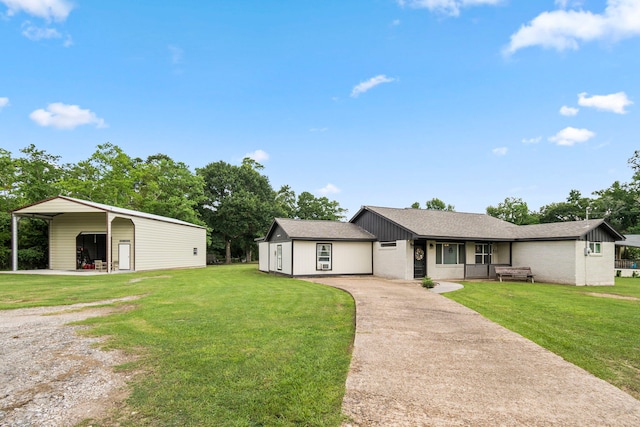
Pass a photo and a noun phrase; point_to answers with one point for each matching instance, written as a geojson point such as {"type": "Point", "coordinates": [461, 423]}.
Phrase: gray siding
{"type": "Point", "coordinates": [381, 227]}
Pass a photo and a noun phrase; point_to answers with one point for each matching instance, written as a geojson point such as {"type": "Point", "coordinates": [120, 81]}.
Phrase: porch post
{"type": "Point", "coordinates": [108, 238]}
{"type": "Point", "coordinates": [14, 242]}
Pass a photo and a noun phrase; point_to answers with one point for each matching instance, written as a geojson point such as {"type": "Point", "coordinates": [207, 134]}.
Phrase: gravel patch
{"type": "Point", "coordinates": [420, 359]}
{"type": "Point", "coordinates": [49, 375]}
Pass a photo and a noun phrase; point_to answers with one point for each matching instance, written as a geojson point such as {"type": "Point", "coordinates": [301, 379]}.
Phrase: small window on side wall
{"type": "Point", "coordinates": [323, 256]}
{"type": "Point", "coordinates": [279, 257]}
{"type": "Point", "coordinates": [596, 247]}
{"type": "Point", "coordinates": [195, 251]}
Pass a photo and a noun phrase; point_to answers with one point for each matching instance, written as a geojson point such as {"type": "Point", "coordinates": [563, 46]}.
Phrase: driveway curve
{"type": "Point", "coordinates": [420, 359]}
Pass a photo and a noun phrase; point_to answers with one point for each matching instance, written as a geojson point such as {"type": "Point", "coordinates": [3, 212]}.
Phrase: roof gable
{"type": "Point", "coordinates": [299, 229]}
{"type": "Point", "coordinates": [63, 204]}
{"type": "Point", "coordinates": [434, 224]}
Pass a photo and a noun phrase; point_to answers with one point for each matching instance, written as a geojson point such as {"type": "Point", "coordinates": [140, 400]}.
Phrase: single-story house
{"type": "Point", "coordinates": [84, 234]}
{"type": "Point", "coordinates": [444, 245]}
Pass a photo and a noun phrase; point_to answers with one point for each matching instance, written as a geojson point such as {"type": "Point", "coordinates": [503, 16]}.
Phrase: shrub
{"type": "Point", "coordinates": [427, 282]}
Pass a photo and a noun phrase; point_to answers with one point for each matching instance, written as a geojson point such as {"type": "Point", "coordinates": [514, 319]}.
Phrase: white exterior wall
{"type": "Point", "coordinates": [596, 269]}
{"type": "Point", "coordinates": [346, 258]}
{"type": "Point", "coordinates": [564, 262]}
{"type": "Point", "coordinates": [500, 253]}
{"type": "Point", "coordinates": [63, 231]}
{"type": "Point", "coordinates": [553, 262]}
{"type": "Point", "coordinates": [394, 262]}
{"type": "Point", "coordinates": [287, 267]}
{"type": "Point", "coordinates": [447, 271]}
{"type": "Point", "coordinates": [160, 245]}
{"type": "Point", "coordinates": [263, 256]}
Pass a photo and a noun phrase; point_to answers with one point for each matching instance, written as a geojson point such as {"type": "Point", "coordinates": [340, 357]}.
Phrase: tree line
{"type": "Point", "coordinates": [235, 202]}
{"type": "Point", "coordinates": [619, 204]}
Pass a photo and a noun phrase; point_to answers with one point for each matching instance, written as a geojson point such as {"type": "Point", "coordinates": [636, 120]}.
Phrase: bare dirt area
{"type": "Point", "coordinates": [420, 359]}
{"type": "Point", "coordinates": [51, 376]}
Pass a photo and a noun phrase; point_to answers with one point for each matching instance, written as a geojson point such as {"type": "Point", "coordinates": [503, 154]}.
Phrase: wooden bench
{"type": "Point", "coordinates": [514, 273]}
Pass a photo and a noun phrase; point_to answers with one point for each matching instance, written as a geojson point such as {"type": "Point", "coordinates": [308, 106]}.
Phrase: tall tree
{"type": "Point", "coordinates": [513, 210]}
{"type": "Point", "coordinates": [312, 207]}
{"type": "Point", "coordinates": [575, 208]}
{"type": "Point", "coordinates": [239, 202]}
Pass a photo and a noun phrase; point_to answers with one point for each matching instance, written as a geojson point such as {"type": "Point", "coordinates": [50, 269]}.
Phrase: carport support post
{"type": "Point", "coordinates": [14, 242]}
{"type": "Point", "coordinates": [108, 243]}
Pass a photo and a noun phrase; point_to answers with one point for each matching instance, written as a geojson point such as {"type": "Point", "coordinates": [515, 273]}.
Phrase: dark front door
{"type": "Point", "coordinates": [419, 260]}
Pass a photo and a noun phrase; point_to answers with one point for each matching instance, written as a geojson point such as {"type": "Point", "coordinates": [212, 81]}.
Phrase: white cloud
{"type": "Point", "coordinates": [258, 156]}
{"type": "Point", "coordinates": [500, 151]}
{"type": "Point", "coordinates": [370, 84]}
{"type": "Point", "coordinates": [569, 111]}
{"type": "Point", "coordinates": [448, 7]}
{"type": "Point", "coordinates": [566, 29]}
{"type": "Point", "coordinates": [33, 32]}
{"type": "Point", "coordinates": [4, 101]}
{"type": "Point", "coordinates": [64, 116]}
{"type": "Point", "coordinates": [570, 136]}
{"type": "Point", "coordinates": [615, 102]}
{"type": "Point", "coordinates": [329, 189]}
{"type": "Point", "coordinates": [395, 22]}
{"type": "Point", "coordinates": [50, 10]}
{"type": "Point", "coordinates": [532, 140]}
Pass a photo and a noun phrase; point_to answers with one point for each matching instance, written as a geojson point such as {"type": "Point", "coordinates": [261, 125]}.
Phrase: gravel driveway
{"type": "Point", "coordinates": [421, 359]}
{"type": "Point", "coordinates": [51, 376]}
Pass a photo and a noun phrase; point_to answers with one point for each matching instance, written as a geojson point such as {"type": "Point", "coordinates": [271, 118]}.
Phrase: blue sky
{"type": "Point", "coordinates": [379, 102]}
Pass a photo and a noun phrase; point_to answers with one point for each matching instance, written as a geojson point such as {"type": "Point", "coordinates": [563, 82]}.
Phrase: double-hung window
{"type": "Point", "coordinates": [323, 256]}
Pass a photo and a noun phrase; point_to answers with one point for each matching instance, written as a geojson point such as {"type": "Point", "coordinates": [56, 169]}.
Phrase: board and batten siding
{"type": "Point", "coordinates": [160, 245]}
{"type": "Point", "coordinates": [62, 236]}
{"type": "Point", "coordinates": [263, 256]}
{"type": "Point", "coordinates": [346, 258]}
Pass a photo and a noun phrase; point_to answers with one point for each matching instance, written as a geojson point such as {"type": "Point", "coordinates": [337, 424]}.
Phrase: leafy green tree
{"type": "Point", "coordinates": [312, 207]}
{"type": "Point", "coordinates": [574, 209]}
{"type": "Point", "coordinates": [26, 179]}
{"type": "Point", "coordinates": [239, 203]}
{"type": "Point", "coordinates": [513, 210]}
{"type": "Point", "coordinates": [415, 205]}
{"type": "Point", "coordinates": [108, 176]}
{"type": "Point", "coordinates": [286, 201]}
{"type": "Point", "coordinates": [438, 205]}
{"type": "Point", "coordinates": [168, 188]}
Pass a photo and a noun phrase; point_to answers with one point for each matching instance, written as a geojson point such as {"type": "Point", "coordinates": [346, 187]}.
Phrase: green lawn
{"type": "Point", "coordinates": [223, 346]}
{"type": "Point", "coordinates": [598, 333]}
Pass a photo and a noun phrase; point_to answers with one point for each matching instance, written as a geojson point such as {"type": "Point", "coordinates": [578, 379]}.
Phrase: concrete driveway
{"type": "Point", "coordinates": [420, 359]}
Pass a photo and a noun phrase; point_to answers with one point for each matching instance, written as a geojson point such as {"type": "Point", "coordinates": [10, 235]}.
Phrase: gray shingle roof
{"type": "Point", "coordinates": [322, 230]}
{"type": "Point", "coordinates": [457, 225]}
{"type": "Point", "coordinates": [447, 224]}
{"type": "Point", "coordinates": [557, 230]}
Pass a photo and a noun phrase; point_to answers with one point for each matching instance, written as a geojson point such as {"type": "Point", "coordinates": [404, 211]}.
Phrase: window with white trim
{"type": "Point", "coordinates": [450, 253]}
{"type": "Point", "coordinates": [323, 256]}
{"type": "Point", "coordinates": [596, 247]}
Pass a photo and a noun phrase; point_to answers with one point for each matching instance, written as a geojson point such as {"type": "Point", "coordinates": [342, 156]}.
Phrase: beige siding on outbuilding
{"type": "Point", "coordinates": [155, 242]}
{"type": "Point", "coordinates": [162, 244]}
{"type": "Point", "coordinates": [63, 231]}
{"type": "Point", "coordinates": [263, 256]}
